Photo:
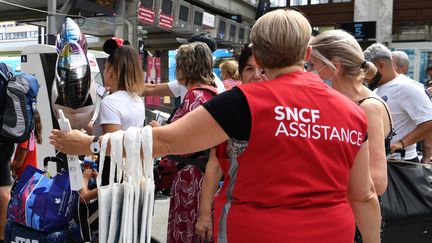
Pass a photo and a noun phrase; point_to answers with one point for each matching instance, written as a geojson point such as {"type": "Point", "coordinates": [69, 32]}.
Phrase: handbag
{"type": "Point", "coordinates": [42, 203]}
{"type": "Point", "coordinates": [117, 187]}
{"type": "Point", "coordinates": [409, 192]}
{"type": "Point", "coordinates": [149, 185]}
{"type": "Point", "coordinates": [133, 163]}
{"type": "Point", "coordinates": [104, 194]}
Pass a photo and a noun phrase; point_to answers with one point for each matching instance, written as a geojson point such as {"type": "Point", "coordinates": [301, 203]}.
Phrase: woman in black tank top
{"type": "Point", "coordinates": [338, 59]}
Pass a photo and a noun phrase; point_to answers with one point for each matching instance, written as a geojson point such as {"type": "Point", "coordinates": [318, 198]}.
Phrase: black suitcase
{"type": "Point", "coordinates": [407, 203]}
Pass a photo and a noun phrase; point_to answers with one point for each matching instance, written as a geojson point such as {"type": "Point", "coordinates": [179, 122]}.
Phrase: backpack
{"type": "Point", "coordinates": [17, 105]}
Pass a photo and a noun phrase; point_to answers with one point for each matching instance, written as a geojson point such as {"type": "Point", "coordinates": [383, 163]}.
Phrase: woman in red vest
{"type": "Point", "coordinates": [299, 168]}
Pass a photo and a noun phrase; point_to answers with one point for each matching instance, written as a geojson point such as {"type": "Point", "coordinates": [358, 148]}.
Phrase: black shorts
{"type": "Point", "coordinates": [6, 151]}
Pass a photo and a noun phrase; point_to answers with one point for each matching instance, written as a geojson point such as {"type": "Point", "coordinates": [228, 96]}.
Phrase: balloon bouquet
{"type": "Point", "coordinates": [73, 89]}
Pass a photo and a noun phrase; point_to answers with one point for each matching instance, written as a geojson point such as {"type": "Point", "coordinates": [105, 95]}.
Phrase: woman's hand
{"type": "Point", "coordinates": [396, 146]}
{"type": "Point", "coordinates": [86, 194]}
{"type": "Point", "coordinates": [72, 143]}
{"type": "Point", "coordinates": [203, 227]}
{"type": "Point", "coordinates": [15, 165]}
{"type": "Point", "coordinates": [87, 174]}
{"type": "Point", "coordinates": [154, 123]}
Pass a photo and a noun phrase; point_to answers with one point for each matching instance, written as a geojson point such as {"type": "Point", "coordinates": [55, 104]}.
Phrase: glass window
{"type": "Point", "coordinates": [426, 68]}
{"type": "Point", "coordinates": [222, 29]}
{"type": "Point", "coordinates": [232, 30]}
{"type": "Point", "coordinates": [198, 18]}
{"type": "Point", "coordinates": [313, 2]}
{"type": "Point", "coordinates": [298, 2]}
{"type": "Point", "coordinates": [341, 1]}
{"type": "Point", "coordinates": [278, 3]}
{"type": "Point", "coordinates": [147, 4]}
{"type": "Point", "coordinates": [167, 7]}
{"type": "Point", "coordinates": [184, 13]}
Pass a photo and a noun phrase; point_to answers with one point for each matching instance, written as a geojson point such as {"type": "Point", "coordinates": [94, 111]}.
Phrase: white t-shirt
{"type": "Point", "coordinates": [120, 108]}
{"type": "Point", "coordinates": [179, 90]}
{"type": "Point", "coordinates": [409, 106]}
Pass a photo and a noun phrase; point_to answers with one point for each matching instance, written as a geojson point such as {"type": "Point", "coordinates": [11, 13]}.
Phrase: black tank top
{"type": "Point", "coordinates": [389, 137]}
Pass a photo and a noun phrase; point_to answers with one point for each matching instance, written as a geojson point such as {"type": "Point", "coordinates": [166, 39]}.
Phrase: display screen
{"type": "Point", "coordinates": [241, 33]}
{"type": "Point", "coordinates": [232, 30]}
{"type": "Point", "coordinates": [361, 30]}
{"type": "Point", "coordinates": [184, 13]}
{"type": "Point", "coordinates": [147, 4]}
{"type": "Point", "coordinates": [222, 28]}
{"type": "Point", "coordinates": [166, 7]}
{"type": "Point", "coordinates": [198, 20]}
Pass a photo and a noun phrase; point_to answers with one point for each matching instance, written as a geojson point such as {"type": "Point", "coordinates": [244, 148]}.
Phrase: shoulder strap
{"type": "Point", "coordinates": [193, 159]}
{"type": "Point", "coordinates": [6, 76]}
{"type": "Point", "coordinates": [385, 107]}
{"type": "Point", "coordinates": [209, 88]}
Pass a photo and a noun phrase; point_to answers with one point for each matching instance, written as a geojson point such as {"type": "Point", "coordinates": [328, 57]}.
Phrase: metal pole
{"type": "Point", "coordinates": [51, 22]}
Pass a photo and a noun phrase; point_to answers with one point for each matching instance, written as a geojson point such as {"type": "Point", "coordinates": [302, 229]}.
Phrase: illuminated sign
{"type": "Point", "coordinates": [361, 30]}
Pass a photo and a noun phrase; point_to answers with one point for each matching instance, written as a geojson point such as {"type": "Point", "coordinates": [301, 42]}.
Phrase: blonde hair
{"type": "Point", "coordinates": [230, 67]}
{"type": "Point", "coordinates": [127, 69]}
{"type": "Point", "coordinates": [341, 46]}
{"type": "Point", "coordinates": [194, 64]}
{"type": "Point", "coordinates": [280, 38]}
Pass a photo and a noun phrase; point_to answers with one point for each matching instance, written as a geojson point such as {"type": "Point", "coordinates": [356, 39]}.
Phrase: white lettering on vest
{"type": "Point", "coordinates": [301, 122]}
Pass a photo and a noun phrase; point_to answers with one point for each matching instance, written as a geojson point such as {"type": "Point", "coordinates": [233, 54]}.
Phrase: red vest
{"type": "Point", "coordinates": [291, 181]}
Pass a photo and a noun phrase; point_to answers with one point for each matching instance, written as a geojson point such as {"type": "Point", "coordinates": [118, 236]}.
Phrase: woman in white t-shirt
{"type": "Point", "coordinates": [123, 108]}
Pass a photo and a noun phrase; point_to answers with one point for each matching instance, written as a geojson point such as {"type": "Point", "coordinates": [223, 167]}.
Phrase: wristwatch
{"type": "Point", "coordinates": [94, 146]}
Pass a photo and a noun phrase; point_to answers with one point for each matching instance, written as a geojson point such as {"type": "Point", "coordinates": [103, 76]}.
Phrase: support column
{"type": "Point", "coordinates": [51, 22]}
{"type": "Point", "coordinates": [385, 21]}
{"type": "Point", "coordinates": [362, 11]}
{"type": "Point", "coordinates": [380, 11]}
{"type": "Point", "coordinates": [67, 6]}
{"type": "Point", "coordinates": [120, 20]}
{"type": "Point", "coordinates": [131, 16]}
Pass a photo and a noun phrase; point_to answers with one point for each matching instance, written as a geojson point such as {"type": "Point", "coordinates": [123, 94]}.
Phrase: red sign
{"type": "Point", "coordinates": [146, 15]}
{"type": "Point", "coordinates": [165, 21]}
{"type": "Point", "coordinates": [153, 77]}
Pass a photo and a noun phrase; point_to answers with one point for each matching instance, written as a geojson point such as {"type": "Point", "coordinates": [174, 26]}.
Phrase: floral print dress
{"type": "Point", "coordinates": [186, 187]}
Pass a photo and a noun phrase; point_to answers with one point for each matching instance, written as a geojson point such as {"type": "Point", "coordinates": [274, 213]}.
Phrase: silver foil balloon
{"type": "Point", "coordinates": [70, 31]}
{"type": "Point", "coordinates": [73, 76]}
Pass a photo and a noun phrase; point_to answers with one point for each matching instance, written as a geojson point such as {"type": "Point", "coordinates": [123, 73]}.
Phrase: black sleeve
{"type": "Point", "coordinates": [231, 110]}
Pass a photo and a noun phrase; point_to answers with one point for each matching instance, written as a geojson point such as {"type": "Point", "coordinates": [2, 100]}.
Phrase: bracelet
{"type": "Point", "coordinates": [403, 145]}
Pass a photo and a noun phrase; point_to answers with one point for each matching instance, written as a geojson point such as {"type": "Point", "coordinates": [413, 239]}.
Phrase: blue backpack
{"type": "Point", "coordinates": [17, 105]}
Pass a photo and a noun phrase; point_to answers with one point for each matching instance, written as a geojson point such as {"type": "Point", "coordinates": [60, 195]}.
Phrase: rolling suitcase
{"type": "Point", "coordinates": [18, 233]}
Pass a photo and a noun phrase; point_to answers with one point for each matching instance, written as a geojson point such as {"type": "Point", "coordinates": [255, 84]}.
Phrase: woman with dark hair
{"type": "Point", "coordinates": [218, 163]}
{"type": "Point", "coordinates": [247, 66]}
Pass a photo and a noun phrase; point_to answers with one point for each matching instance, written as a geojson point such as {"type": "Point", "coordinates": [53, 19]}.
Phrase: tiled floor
{"type": "Point", "coordinates": [160, 219]}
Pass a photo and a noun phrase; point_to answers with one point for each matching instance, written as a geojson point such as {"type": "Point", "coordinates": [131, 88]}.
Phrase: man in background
{"type": "Point", "coordinates": [400, 62]}
{"type": "Point", "coordinates": [401, 65]}
{"type": "Point", "coordinates": [410, 107]}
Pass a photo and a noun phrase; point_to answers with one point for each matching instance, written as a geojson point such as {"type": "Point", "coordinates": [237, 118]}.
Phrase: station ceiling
{"type": "Point", "coordinates": [13, 11]}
